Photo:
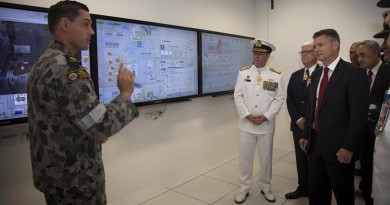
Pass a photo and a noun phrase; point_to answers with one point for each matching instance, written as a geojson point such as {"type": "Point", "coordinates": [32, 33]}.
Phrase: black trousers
{"type": "Point", "coordinates": [301, 160]}
{"type": "Point", "coordinates": [326, 176]}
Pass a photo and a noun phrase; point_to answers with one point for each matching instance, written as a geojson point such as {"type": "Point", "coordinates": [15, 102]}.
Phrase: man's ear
{"type": "Point", "coordinates": [64, 24]}
{"type": "Point", "coordinates": [336, 45]}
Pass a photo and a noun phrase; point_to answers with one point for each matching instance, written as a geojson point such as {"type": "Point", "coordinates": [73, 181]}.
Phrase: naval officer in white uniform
{"type": "Point", "coordinates": [381, 162]}
{"type": "Point", "coordinates": [258, 95]}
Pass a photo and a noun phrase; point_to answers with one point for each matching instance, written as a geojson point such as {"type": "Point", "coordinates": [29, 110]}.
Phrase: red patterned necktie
{"type": "Point", "coordinates": [323, 84]}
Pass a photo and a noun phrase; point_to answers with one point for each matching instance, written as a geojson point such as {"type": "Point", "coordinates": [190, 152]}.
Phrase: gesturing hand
{"type": "Point", "coordinates": [125, 82]}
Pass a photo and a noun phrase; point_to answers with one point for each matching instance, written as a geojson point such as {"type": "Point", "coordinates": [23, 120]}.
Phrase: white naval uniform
{"type": "Point", "coordinates": [253, 98]}
{"type": "Point", "coordinates": [381, 170]}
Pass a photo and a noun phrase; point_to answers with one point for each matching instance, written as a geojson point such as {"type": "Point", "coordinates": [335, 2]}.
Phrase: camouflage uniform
{"type": "Point", "coordinates": [67, 125]}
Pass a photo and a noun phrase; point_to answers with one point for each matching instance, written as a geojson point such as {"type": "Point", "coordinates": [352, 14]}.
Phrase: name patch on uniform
{"type": "Point", "coordinates": [77, 75]}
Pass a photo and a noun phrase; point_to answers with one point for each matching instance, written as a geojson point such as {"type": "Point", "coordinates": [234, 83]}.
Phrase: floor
{"type": "Point", "coordinates": [218, 185]}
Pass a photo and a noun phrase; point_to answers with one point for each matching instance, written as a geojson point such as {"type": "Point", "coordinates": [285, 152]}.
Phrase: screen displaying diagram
{"type": "Point", "coordinates": [222, 58]}
{"type": "Point", "coordinates": [164, 60]}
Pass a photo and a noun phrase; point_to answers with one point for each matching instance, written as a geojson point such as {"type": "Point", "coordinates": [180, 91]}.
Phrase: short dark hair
{"type": "Point", "coordinates": [66, 8]}
{"type": "Point", "coordinates": [329, 33]}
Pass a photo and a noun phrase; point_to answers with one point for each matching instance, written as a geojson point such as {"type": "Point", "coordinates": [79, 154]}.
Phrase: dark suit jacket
{"type": "Point", "coordinates": [381, 84]}
{"type": "Point", "coordinates": [342, 117]}
{"type": "Point", "coordinates": [297, 96]}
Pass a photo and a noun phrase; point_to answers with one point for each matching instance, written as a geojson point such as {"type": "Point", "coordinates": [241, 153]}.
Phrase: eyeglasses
{"type": "Point", "coordinates": [306, 52]}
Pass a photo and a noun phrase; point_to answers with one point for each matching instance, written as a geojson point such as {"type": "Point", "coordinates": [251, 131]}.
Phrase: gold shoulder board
{"type": "Point", "coordinates": [275, 70]}
{"type": "Point", "coordinates": [245, 68]}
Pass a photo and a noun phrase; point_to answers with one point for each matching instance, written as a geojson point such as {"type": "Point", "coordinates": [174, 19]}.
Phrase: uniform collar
{"type": "Point", "coordinates": [54, 44]}
{"type": "Point", "coordinates": [266, 67]}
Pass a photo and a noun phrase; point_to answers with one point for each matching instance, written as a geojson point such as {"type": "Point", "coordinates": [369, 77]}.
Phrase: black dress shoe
{"type": "Point", "coordinates": [296, 194]}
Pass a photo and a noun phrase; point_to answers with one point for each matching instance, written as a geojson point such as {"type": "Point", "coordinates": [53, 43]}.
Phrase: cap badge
{"type": "Point", "coordinates": [258, 44]}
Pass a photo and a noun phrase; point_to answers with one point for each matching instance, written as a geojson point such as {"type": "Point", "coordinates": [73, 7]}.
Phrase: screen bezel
{"type": "Point", "coordinates": [94, 54]}
{"type": "Point", "coordinates": [217, 93]}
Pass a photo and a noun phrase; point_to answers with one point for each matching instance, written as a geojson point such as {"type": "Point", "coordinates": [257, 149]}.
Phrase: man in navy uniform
{"type": "Point", "coordinates": [67, 123]}
{"type": "Point", "coordinates": [381, 162]}
{"type": "Point", "coordinates": [258, 96]}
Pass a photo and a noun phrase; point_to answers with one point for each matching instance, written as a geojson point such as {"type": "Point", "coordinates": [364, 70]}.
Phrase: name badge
{"type": "Point", "coordinates": [372, 107]}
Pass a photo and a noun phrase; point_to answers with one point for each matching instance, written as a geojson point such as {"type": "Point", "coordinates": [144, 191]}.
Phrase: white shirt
{"type": "Point", "coordinates": [331, 67]}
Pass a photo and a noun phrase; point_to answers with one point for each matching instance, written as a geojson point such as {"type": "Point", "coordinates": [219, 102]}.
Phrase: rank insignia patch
{"type": "Point", "coordinates": [76, 75]}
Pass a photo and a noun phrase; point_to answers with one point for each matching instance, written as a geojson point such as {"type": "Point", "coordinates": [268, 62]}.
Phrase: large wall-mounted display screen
{"type": "Point", "coordinates": [164, 59]}
{"type": "Point", "coordinates": [24, 36]}
{"type": "Point", "coordinates": [222, 57]}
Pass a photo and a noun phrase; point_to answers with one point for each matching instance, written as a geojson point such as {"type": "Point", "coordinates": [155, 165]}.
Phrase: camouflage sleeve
{"type": "Point", "coordinates": [75, 94]}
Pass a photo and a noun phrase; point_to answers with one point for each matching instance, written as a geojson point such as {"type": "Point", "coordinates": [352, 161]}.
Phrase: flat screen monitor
{"type": "Point", "coordinates": [163, 58]}
{"type": "Point", "coordinates": [24, 36]}
{"type": "Point", "coordinates": [222, 57]}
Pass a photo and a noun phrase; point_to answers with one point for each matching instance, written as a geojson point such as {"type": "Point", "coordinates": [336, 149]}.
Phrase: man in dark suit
{"type": "Point", "coordinates": [368, 53]}
{"type": "Point", "coordinates": [335, 123]}
{"type": "Point", "coordinates": [297, 96]}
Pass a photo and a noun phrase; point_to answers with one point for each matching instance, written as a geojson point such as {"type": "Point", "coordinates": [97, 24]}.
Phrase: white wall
{"type": "Point", "coordinates": [150, 154]}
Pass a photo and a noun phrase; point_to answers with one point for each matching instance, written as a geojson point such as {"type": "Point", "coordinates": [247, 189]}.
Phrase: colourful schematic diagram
{"type": "Point", "coordinates": [222, 57]}
{"type": "Point", "coordinates": [164, 60]}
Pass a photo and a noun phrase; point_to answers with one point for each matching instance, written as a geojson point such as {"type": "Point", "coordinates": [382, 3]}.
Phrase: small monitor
{"type": "Point", "coordinates": [24, 36]}
{"type": "Point", "coordinates": [222, 57]}
{"type": "Point", "coordinates": [163, 58]}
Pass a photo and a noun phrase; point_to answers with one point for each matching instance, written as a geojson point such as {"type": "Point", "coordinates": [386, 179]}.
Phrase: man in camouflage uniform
{"type": "Point", "coordinates": [66, 121]}
{"type": "Point", "coordinates": [259, 96]}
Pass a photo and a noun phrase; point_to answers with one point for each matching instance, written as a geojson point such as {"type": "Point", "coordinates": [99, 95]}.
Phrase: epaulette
{"type": "Point", "coordinates": [73, 62]}
{"type": "Point", "coordinates": [71, 59]}
{"type": "Point", "coordinates": [245, 68]}
{"type": "Point", "coordinates": [275, 70]}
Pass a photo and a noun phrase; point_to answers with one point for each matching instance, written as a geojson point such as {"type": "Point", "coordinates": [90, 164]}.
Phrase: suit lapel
{"type": "Point", "coordinates": [315, 78]}
{"type": "Point", "coordinates": [314, 81]}
{"type": "Point", "coordinates": [378, 79]}
{"type": "Point", "coordinates": [317, 67]}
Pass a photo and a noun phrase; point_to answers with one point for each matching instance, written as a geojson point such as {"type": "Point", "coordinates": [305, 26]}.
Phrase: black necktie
{"type": "Point", "coordinates": [369, 77]}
